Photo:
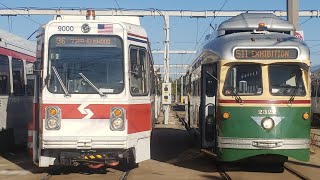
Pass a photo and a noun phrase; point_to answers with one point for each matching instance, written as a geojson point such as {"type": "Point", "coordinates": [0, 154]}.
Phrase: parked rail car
{"type": "Point", "coordinates": [249, 91]}
{"type": "Point", "coordinates": [315, 95]}
{"type": "Point", "coordinates": [96, 92]}
{"type": "Point", "coordinates": [16, 88]}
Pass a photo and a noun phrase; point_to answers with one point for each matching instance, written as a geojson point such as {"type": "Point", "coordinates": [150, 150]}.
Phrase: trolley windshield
{"type": "Point", "coordinates": [244, 80]}
{"type": "Point", "coordinates": [85, 64]}
{"type": "Point", "coordinates": [286, 80]}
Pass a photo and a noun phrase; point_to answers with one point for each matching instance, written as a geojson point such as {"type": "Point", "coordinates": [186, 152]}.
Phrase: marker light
{"type": "Point", "coordinates": [261, 25]}
{"type": "Point", "coordinates": [91, 15]}
{"type": "Point", "coordinates": [117, 112]}
{"type": "Point", "coordinates": [52, 111]}
{"type": "Point", "coordinates": [305, 116]}
{"type": "Point", "coordinates": [226, 115]}
{"type": "Point", "coordinates": [53, 118]}
{"type": "Point", "coordinates": [117, 118]}
{"type": "Point", "coordinates": [267, 123]}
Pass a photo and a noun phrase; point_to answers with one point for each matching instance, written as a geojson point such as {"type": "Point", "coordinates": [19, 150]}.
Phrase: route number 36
{"type": "Point", "coordinates": [65, 28]}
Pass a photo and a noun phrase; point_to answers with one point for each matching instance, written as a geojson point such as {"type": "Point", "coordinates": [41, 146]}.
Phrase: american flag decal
{"type": "Point", "coordinates": [105, 28]}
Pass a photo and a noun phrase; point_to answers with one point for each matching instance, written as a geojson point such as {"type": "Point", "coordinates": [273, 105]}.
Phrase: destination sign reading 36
{"type": "Point", "coordinates": [83, 41]}
{"type": "Point", "coordinates": [266, 53]}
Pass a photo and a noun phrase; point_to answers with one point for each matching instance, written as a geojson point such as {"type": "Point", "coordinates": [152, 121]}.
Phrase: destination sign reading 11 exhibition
{"type": "Point", "coordinates": [266, 53]}
{"type": "Point", "coordinates": [85, 41]}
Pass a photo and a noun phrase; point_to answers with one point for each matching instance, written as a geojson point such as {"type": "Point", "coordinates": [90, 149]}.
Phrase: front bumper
{"type": "Point", "coordinates": [257, 143]}
{"type": "Point", "coordinates": [114, 142]}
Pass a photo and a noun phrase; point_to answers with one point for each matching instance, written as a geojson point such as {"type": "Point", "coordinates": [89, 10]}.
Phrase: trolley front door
{"type": "Point", "coordinates": [209, 86]}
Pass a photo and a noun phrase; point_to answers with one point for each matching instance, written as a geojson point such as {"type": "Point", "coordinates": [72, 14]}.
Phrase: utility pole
{"type": "Point", "coordinates": [176, 91]}
{"type": "Point", "coordinates": [166, 107]}
{"type": "Point", "coordinates": [293, 13]}
{"type": "Point", "coordinates": [181, 89]}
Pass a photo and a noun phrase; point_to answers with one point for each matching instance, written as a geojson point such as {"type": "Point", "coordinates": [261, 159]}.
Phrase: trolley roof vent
{"type": "Point", "coordinates": [247, 22]}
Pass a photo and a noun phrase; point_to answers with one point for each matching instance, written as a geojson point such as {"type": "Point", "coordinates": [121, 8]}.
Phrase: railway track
{"type": "Point", "coordinates": [125, 175]}
{"type": "Point", "coordinates": [59, 170]}
{"type": "Point", "coordinates": [295, 172]}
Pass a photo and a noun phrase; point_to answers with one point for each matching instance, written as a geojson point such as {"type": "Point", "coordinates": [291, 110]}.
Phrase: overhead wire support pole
{"type": "Point", "coordinates": [181, 89]}
{"type": "Point", "coordinates": [293, 13]}
{"type": "Point", "coordinates": [166, 65]}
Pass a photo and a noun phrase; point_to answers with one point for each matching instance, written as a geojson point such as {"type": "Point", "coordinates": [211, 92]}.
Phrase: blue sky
{"type": "Point", "coordinates": [184, 32]}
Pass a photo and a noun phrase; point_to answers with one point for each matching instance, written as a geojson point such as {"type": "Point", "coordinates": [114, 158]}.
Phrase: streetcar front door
{"type": "Point", "coordinates": [209, 86]}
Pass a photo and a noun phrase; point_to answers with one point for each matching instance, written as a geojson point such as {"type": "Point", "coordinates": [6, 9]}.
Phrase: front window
{"type": "Point", "coordinates": [88, 64]}
{"type": "Point", "coordinates": [286, 80]}
{"type": "Point", "coordinates": [244, 79]}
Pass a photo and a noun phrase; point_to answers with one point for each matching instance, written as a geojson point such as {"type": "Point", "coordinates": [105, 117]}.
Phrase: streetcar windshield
{"type": "Point", "coordinates": [244, 80]}
{"type": "Point", "coordinates": [97, 58]}
{"type": "Point", "coordinates": [286, 80]}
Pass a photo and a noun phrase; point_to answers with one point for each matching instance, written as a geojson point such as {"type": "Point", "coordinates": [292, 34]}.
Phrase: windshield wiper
{"type": "Point", "coordinates": [61, 82]}
{"type": "Point", "coordinates": [235, 94]}
{"type": "Point", "coordinates": [293, 94]}
{"type": "Point", "coordinates": [92, 85]}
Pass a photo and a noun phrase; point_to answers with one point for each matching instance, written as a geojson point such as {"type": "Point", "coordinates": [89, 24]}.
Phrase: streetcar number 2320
{"type": "Point", "coordinates": [65, 28]}
{"type": "Point", "coordinates": [266, 111]}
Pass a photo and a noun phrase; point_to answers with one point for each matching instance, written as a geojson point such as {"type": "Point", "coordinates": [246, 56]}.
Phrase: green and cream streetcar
{"type": "Point", "coordinates": [249, 90]}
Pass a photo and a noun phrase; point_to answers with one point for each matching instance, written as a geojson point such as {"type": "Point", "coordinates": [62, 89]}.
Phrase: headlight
{"type": "Point", "coordinates": [267, 123]}
{"type": "Point", "coordinates": [117, 124]}
{"type": "Point", "coordinates": [52, 123]}
{"type": "Point", "coordinates": [53, 118]}
{"type": "Point", "coordinates": [117, 118]}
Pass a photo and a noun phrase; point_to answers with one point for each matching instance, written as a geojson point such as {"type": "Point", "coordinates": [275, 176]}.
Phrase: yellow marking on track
{"type": "Point", "coordinates": [99, 156]}
{"type": "Point", "coordinates": [92, 157]}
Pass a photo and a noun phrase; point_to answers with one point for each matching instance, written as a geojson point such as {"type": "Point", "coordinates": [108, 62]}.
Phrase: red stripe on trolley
{"type": "Point", "coordinates": [135, 35]}
{"type": "Point", "coordinates": [16, 54]}
{"type": "Point", "coordinates": [138, 115]}
{"type": "Point", "coordinates": [267, 101]}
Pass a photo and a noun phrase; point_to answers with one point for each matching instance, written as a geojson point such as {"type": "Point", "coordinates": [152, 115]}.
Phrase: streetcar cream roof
{"type": "Point", "coordinates": [125, 19]}
{"type": "Point", "coordinates": [250, 21]}
{"type": "Point", "coordinates": [16, 43]}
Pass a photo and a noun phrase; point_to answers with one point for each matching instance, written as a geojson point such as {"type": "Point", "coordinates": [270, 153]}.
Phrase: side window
{"type": "Point", "coordinates": [18, 77]}
{"type": "Point", "coordinates": [4, 75]}
{"type": "Point", "coordinates": [139, 71]}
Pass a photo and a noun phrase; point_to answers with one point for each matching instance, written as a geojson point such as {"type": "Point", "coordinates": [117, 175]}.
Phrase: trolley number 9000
{"type": "Point", "coordinates": [65, 28]}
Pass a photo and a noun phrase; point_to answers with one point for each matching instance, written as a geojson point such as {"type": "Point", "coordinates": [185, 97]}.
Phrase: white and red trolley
{"type": "Point", "coordinates": [94, 93]}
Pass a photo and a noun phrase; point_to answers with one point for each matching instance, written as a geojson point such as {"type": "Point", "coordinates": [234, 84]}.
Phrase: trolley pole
{"type": "Point", "coordinates": [166, 107]}
{"type": "Point", "coordinates": [293, 13]}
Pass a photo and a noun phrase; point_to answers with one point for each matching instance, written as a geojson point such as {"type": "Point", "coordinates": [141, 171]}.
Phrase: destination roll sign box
{"type": "Point", "coordinates": [84, 41]}
{"type": "Point", "coordinates": [265, 53]}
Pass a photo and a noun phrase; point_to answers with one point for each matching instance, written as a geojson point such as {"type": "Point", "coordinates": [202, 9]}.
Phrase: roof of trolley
{"type": "Point", "coordinates": [245, 37]}
{"type": "Point", "coordinates": [17, 44]}
{"type": "Point", "coordinates": [131, 23]}
{"type": "Point", "coordinates": [250, 21]}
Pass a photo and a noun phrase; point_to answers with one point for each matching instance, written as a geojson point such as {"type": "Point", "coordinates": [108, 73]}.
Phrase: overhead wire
{"type": "Point", "coordinates": [118, 6]}
{"type": "Point", "coordinates": [305, 21]}
{"type": "Point", "coordinates": [204, 33]}
{"type": "Point", "coordinates": [20, 14]}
